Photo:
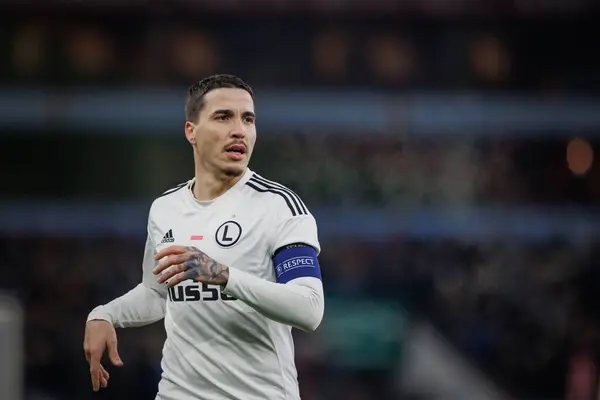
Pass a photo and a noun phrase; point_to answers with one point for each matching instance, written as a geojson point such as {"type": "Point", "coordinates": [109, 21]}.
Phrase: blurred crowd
{"type": "Point", "coordinates": [399, 172]}
{"type": "Point", "coordinates": [518, 311]}
{"type": "Point", "coordinates": [119, 48]}
{"type": "Point", "coordinates": [331, 169]}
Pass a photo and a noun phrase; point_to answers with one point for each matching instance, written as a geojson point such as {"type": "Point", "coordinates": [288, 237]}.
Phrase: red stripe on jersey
{"type": "Point", "coordinates": [196, 237]}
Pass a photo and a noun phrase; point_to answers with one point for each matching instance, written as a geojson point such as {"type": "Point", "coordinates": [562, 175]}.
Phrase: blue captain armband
{"type": "Point", "coordinates": [296, 261]}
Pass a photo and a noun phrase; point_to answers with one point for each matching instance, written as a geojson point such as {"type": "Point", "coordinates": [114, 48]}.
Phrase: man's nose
{"type": "Point", "coordinates": [238, 131]}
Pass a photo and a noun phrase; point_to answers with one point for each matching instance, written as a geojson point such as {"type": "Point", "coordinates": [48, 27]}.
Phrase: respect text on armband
{"type": "Point", "coordinates": [293, 263]}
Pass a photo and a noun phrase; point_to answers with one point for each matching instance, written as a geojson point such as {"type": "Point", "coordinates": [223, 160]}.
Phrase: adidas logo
{"type": "Point", "coordinates": [168, 238]}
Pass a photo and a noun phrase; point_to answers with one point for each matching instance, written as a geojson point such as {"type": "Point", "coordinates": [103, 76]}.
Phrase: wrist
{"type": "Point", "coordinates": [99, 320]}
{"type": "Point", "coordinates": [224, 276]}
{"type": "Point", "coordinates": [234, 276]}
{"type": "Point", "coordinates": [100, 314]}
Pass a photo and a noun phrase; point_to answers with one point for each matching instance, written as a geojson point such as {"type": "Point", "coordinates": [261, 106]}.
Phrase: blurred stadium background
{"type": "Point", "coordinates": [446, 148]}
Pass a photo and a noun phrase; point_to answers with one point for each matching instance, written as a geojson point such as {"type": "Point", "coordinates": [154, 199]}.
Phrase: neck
{"type": "Point", "coordinates": [208, 185]}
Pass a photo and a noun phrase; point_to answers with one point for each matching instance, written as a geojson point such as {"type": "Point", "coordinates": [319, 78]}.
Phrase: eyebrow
{"type": "Point", "coordinates": [223, 112]}
{"type": "Point", "coordinates": [230, 113]}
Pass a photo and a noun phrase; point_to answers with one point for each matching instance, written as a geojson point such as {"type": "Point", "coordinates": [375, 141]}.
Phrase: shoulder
{"type": "Point", "coordinates": [169, 196]}
{"type": "Point", "coordinates": [276, 196]}
{"type": "Point", "coordinates": [174, 189]}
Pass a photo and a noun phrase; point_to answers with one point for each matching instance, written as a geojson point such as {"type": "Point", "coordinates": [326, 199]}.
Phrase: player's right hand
{"type": "Point", "coordinates": [100, 335]}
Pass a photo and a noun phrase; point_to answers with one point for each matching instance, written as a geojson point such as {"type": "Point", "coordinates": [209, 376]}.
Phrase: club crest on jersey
{"type": "Point", "coordinates": [228, 234]}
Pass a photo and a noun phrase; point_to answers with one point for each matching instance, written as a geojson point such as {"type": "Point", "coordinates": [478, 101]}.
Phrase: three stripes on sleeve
{"type": "Point", "coordinates": [292, 200]}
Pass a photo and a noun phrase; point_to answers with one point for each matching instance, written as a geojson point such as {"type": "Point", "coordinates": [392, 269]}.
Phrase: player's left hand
{"type": "Point", "coordinates": [188, 262]}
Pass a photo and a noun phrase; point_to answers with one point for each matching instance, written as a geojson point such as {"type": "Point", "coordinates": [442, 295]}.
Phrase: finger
{"type": "Point", "coordinates": [170, 250]}
{"type": "Point", "coordinates": [180, 277]}
{"type": "Point", "coordinates": [95, 375]}
{"type": "Point", "coordinates": [105, 373]}
{"type": "Point", "coordinates": [103, 382]}
{"type": "Point", "coordinates": [175, 269]}
{"type": "Point", "coordinates": [95, 372]}
{"type": "Point", "coordinates": [170, 261]}
{"type": "Point", "coordinates": [113, 353]}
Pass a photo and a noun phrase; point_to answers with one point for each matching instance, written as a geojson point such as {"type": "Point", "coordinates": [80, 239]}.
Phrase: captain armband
{"type": "Point", "coordinates": [296, 261]}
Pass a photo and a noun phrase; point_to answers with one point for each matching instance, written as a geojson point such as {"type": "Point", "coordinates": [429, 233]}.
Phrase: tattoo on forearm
{"type": "Point", "coordinates": [202, 268]}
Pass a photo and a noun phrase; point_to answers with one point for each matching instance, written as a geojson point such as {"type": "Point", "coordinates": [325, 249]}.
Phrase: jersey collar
{"type": "Point", "coordinates": [239, 184]}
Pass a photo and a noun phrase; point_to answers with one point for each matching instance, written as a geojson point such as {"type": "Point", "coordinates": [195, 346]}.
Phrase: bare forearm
{"type": "Point", "coordinates": [140, 306]}
{"type": "Point", "coordinates": [298, 303]}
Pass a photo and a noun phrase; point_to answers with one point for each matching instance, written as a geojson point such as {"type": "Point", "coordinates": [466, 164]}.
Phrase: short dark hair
{"type": "Point", "coordinates": [196, 92]}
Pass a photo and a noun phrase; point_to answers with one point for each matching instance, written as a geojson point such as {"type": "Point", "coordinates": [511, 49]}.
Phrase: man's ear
{"type": "Point", "coordinates": [190, 132]}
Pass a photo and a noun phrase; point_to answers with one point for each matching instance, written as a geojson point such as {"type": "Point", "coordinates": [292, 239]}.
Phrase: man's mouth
{"type": "Point", "coordinates": [236, 152]}
{"type": "Point", "coordinates": [236, 148]}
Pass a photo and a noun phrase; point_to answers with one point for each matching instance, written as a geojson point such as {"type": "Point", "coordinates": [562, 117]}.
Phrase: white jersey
{"type": "Point", "coordinates": [218, 347]}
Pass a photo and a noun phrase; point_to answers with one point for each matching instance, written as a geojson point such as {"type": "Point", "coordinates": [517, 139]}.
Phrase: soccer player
{"type": "Point", "coordinates": [230, 263]}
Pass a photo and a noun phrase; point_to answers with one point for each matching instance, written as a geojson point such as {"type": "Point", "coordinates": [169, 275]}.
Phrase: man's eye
{"type": "Point", "coordinates": [221, 117]}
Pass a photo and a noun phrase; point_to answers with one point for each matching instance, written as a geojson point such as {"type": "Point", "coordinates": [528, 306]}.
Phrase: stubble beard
{"type": "Point", "coordinates": [231, 172]}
